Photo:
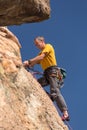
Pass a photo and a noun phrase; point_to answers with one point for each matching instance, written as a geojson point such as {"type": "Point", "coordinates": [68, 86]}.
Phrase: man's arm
{"type": "Point", "coordinates": [34, 60]}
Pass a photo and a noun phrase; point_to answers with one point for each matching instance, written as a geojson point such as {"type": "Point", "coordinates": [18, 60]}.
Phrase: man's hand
{"type": "Point", "coordinates": [33, 61]}
{"type": "Point", "coordinates": [26, 63]}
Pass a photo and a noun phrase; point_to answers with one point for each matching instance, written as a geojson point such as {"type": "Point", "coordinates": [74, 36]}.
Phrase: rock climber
{"type": "Point", "coordinates": [52, 75]}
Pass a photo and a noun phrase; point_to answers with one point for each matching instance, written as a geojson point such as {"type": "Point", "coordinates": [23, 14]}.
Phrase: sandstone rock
{"type": "Point", "coordinates": [23, 103]}
{"type": "Point", "coordinates": [14, 12]}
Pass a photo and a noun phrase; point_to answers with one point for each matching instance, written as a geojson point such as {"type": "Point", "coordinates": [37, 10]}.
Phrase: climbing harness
{"type": "Point", "coordinates": [60, 71]}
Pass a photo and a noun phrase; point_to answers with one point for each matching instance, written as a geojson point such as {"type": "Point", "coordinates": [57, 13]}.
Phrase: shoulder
{"type": "Point", "coordinates": [47, 48]}
{"type": "Point", "coordinates": [49, 45]}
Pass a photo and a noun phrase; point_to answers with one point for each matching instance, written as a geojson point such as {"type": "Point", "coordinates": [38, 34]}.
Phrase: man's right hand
{"type": "Point", "coordinates": [26, 63]}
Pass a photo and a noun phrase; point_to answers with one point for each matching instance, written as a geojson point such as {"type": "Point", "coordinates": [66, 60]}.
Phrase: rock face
{"type": "Point", "coordinates": [23, 103]}
{"type": "Point", "coordinates": [14, 12]}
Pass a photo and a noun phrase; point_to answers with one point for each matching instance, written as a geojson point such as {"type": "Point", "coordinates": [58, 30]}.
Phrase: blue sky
{"type": "Point", "coordinates": [66, 30]}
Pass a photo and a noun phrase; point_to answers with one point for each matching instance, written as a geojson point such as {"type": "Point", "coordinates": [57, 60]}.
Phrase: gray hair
{"type": "Point", "coordinates": [39, 38]}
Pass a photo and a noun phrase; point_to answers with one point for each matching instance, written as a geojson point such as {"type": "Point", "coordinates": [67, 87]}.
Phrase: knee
{"type": "Point", "coordinates": [42, 81]}
{"type": "Point", "coordinates": [53, 96]}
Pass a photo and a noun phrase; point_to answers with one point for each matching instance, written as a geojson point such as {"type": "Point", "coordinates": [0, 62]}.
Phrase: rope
{"type": "Point", "coordinates": [66, 122]}
{"type": "Point", "coordinates": [69, 126]}
{"type": "Point", "coordinates": [34, 72]}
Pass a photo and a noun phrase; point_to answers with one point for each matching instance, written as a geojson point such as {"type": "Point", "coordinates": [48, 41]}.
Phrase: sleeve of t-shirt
{"type": "Point", "coordinates": [47, 49]}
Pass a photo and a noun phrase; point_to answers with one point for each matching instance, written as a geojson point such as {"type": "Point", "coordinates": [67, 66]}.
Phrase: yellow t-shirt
{"type": "Point", "coordinates": [49, 59]}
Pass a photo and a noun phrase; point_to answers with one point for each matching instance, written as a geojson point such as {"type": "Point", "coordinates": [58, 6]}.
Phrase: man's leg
{"type": "Point", "coordinates": [43, 81]}
{"type": "Point", "coordinates": [57, 96]}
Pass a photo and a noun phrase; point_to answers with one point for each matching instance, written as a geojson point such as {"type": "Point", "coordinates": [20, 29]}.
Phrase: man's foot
{"type": "Point", "coordinates": [65, 116]}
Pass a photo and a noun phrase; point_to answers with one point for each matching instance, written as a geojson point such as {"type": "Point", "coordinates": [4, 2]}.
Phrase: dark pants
{"type": "Point", "coordinates": [50, 78]}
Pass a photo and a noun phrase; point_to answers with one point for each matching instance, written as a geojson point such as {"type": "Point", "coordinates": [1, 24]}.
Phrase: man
{"type": "Point", "coordinates": [46, 58]}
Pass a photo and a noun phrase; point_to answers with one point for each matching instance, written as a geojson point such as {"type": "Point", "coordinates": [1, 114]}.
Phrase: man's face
{"type": "Point", "coordinates": [39, 44]}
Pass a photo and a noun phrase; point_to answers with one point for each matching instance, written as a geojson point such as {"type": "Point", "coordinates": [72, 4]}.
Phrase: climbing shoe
{"type": "Point", "coordinates": [65, 118]}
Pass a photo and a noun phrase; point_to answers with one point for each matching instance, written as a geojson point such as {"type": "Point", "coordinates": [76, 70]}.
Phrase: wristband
{"type": "Point", "coordinates": [29, 62]}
